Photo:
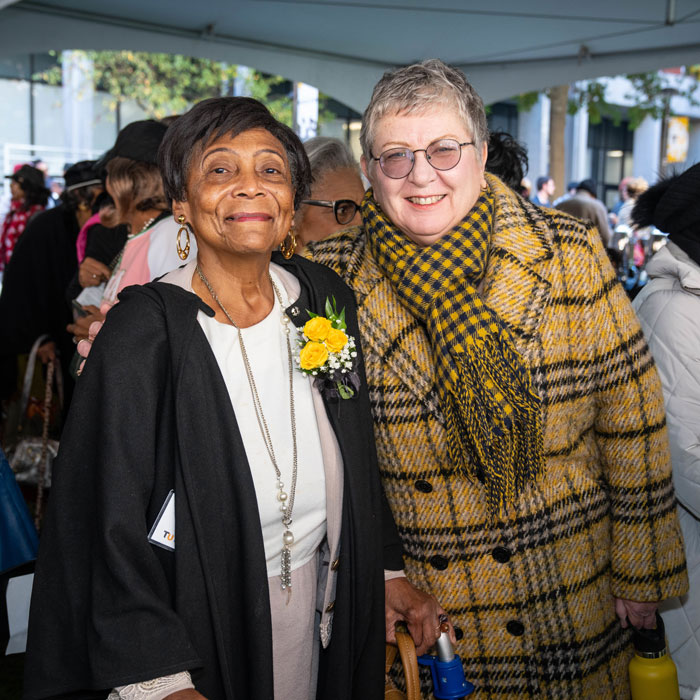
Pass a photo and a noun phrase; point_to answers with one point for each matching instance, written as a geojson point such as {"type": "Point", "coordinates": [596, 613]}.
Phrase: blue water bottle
{"type": "Point", "coordinates": [446, 669]}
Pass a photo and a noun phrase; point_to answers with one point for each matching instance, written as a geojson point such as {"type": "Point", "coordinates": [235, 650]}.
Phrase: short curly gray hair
{"type": "Point", "coordinates": [328, 154]}
{"type": "Point", "coordinates": [418, 87]}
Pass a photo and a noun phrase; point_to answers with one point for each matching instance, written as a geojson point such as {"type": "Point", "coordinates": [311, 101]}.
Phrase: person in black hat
{"type": "Point", "coordinates": [668, 308]}
{"type": "Point", "coordinates": [32, 302]}
{"type": "Point", "coordinates": [29, 196]}
{"type": "Point", "coordinates": [585, 205]}
{"type": "Point", "coordinates": [135, 185]}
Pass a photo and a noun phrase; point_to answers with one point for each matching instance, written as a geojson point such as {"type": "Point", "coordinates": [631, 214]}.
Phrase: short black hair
{"type": "Point", "coordinates": [209, 120]}
{"type": "Point", "coordinates": [542, 181]}
{"type": "Point", "coordinates": [506, 159]}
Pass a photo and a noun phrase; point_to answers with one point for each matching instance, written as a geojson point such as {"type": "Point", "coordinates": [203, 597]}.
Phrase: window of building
{"type": "Point", "coordinates": [609, 157]}
{"type": "Point", "coordinates": [503, 116]}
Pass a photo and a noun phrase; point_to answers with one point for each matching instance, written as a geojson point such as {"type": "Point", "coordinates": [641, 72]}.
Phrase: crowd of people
{"type": "Point", "coordinates": [311, 398]}
{"type": "Point", "coordinates": [628, 245]}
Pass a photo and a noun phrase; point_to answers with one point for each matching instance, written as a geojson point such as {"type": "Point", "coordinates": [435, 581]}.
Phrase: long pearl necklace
{"type": "Point", "coordinates": [286, 499]}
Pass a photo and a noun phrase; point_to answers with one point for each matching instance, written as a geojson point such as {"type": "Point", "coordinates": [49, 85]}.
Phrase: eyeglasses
{"type": "Point", "coordinates": [344, 210]}
{"type": "Point", "coordinates": [443, 154]}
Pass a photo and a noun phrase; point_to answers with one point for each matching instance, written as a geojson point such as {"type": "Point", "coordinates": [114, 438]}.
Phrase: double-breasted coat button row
{"type": "Point", "coordinates": [500, 554]}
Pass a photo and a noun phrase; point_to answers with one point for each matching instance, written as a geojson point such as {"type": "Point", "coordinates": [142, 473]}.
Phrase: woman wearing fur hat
{"type": "Point", "coordinates": [669, 310]}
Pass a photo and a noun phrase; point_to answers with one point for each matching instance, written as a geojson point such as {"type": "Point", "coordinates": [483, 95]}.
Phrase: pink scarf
{"type": "Point", "coordinates": [81, 241]}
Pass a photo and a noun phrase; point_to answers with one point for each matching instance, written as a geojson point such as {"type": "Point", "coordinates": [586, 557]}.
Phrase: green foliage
{"type": "Point", "coordinates": [262, 89]}
{"type": "Point", "coordinates": [649, 95]}
{"type": "Point", "coordinates": [165, 84]}
{"type": "Point", "coordinates": [591, 94]}
{"type": "Point", "coordinates": [527, 100]}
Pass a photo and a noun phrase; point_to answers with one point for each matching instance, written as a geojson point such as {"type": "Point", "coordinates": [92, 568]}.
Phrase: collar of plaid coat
{"type": "Point", "coordinates": [492, 413]}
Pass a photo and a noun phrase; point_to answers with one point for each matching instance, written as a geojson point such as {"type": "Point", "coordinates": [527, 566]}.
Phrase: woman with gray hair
{"type": "Point", "coordinates": [336, 190]}
{"type": "Point", "coordinates": [518, 414]}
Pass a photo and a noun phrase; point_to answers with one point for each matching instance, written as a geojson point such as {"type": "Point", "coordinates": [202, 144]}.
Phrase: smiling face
{"type": "Point", "coordinates": [427, 203]}
{"type": "Point", "coordinates": [240, 199]}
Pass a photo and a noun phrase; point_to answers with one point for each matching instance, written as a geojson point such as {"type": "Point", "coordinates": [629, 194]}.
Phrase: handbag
{"type": "Point", "coordinates": [18, 538]}
{"type": "Point", "coordinates": [33, 428]}
{"type": "Point", "coordinates": [407, 651]}
{"type": "Point", "coordinates": [32, 424]}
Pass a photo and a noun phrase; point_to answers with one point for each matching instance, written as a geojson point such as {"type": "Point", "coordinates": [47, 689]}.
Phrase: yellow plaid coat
{"type": "Point", "coordinates": [531, 596]}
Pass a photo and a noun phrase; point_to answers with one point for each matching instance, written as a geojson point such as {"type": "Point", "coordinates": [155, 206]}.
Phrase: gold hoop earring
{"type": "Point", "coordinates": [182, 252]}
{"type": "Point", "coordinates": [287, 249]}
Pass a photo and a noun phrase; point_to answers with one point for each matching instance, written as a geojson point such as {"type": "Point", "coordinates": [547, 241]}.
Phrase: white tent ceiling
{"type": "Point", "coordinates": [343, 46]}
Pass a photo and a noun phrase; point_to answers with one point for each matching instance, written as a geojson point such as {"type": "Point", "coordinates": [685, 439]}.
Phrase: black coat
{"type": "Point", "coordinates": [33, 293]}
{"type": "Point", "coordinates": [151, 413]}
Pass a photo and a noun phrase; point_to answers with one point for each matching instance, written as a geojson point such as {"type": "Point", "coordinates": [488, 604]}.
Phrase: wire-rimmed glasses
{"type": "Point", "coordinates": [344, 210]}
{"type": "Point", "coordinates": [443, 154]}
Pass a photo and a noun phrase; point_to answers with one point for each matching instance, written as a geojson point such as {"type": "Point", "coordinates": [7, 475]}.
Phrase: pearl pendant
{"type": "Point", "coordinates": [288, 537]}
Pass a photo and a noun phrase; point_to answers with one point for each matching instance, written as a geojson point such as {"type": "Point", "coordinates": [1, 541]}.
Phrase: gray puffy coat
{"type": "Point", "coordinates": [669, 311]}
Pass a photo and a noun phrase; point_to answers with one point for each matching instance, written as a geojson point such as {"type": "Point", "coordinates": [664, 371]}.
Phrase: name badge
{"type": "Point", "coordinates": [162, 533]}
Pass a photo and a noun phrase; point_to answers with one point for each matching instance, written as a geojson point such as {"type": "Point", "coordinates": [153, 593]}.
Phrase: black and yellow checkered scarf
{"type": "Point", "coordinates": [491, 410]}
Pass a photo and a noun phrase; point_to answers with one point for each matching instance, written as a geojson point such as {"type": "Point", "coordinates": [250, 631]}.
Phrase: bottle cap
{"type": "Point", "coordinates": [648, 643]}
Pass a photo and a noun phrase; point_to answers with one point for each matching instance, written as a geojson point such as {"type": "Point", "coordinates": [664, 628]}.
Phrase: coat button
{"type": "Point", "coordinates": [438, 562]}
{"type": "Point", "coordinates": [459, 633]}
{"type": "Point", "coordinates": [423, 486]}
{"type": "Point", "coordinates": [501, 554]}
{"type": "Point", "coordinates": [335, 565]}
{"type": "Point", "coordinates": [330, 607]}
{"type": "Point", "coordinates": [515, 628]}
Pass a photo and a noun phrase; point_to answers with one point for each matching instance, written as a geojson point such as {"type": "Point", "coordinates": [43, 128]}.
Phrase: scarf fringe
{"type": "Point", "coordinates": [494, 427]}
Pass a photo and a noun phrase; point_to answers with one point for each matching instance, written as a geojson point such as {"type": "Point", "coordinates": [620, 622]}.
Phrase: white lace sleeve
{"type": "Point", "coordinates": [155, 689]}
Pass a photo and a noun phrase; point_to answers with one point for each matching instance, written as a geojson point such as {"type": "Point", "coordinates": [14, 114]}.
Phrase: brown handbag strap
{"type": "Point", "coordinates": [409, 660]}
{"type": "Point", "coordinates": [39, 507]}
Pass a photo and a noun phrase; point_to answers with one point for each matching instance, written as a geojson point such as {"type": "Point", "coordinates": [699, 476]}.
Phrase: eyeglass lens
{"type": "Point", "coordinates": [442, 155]}
{"type": "Point", "coordinates": [344, 210]}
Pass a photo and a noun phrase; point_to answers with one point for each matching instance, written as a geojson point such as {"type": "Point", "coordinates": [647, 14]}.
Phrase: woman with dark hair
{"type": "Point", "coordinates": [507, 159]}
{"type": "Point", "coordinates": [138, 202]}
{"type": "Point", "coordinates": [216, 508]}
{"type": "Point", "coordinates": [29, 196]}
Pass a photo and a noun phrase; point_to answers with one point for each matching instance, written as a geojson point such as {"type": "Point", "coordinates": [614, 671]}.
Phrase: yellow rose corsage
{"type": "Point", "coordinates": [329, 354]}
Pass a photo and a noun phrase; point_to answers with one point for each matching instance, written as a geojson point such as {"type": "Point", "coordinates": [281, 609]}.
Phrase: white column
{"type": "Point", "coordinates": [78, 92]}
{"type": "Point", "coordinates": [693, 145]}
{"type": "Point", "coordinates": [577, 163]}
{"type": "Point", "coordinates": [533, 133]}
{"type": "Point", "coordinates": [305, 110]}
{"type": "Point", "coordinates": [241, 85]}
{"type": "Point", "coordinates": [645, 154]}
